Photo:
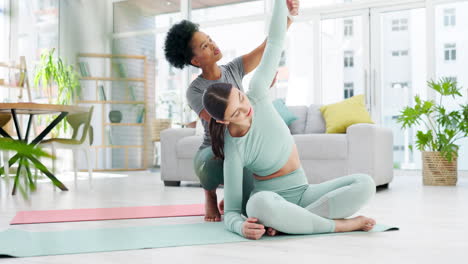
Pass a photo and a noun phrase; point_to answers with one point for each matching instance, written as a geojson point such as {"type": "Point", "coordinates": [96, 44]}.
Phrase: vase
{"type": "Point", "coordinates": [115, 116]}
{"type": "Point", "coordinates": [437, 170]}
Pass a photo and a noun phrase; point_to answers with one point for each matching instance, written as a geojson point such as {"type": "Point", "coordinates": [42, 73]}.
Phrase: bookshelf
{"type": "Point", "coordinates": [17, 78]}
{"type": "Point", "coordinates": [113, 79]}
{"type": "Point", "coordinates": [16, 81]}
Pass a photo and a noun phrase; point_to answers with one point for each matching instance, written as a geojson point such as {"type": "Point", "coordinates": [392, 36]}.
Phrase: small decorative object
{"type": "Point", "coordinates": [115, 116]}
{"type": "Point", "coordinates": [443, 129]}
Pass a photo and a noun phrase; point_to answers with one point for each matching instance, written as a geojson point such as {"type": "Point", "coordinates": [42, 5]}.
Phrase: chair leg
{"type": "Point", "coordinates": [75, 164]}
{"type": "Point", "coordinates": [52, 148]}
{"type": "Point", "coordinates": [6, 158]}
{"type": "Point", "coordinates": [90, 165]}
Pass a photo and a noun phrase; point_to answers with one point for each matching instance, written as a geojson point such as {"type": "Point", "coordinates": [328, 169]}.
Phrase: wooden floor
{"type": "Point", "coordinates": [433, 224]}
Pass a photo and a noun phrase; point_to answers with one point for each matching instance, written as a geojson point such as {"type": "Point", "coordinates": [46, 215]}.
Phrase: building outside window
{"type": "Point", "coordinates": [348, 27]}
{"type": "Point", "coordinates": [348, 90]}
{"type": "Point", "coordinates": [449, 17]}
{"type": "Point", "coordinates": [348, 59]}
{"type": "Point", "coordinates": [400, 24]}
{"type": "Point", "coordinates": [450, 52]}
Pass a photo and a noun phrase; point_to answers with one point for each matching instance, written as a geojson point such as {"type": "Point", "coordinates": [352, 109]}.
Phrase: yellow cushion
{"type": "Point", "coordinates": [340, 116]}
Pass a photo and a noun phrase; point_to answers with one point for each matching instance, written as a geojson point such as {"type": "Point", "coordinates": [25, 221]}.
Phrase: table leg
{"type": "Point", "coordinates": [49, 128]}
{"type": "Point", "coordinates": [15, 119]}
{"type": "Point", "coordinates": [28, 128]}
{"type": "Point", "coordinates": [35, 161]}
{"type": "Point", "coordinates": [4, 133]}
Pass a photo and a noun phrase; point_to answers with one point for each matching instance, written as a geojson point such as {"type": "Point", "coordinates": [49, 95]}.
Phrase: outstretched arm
{"type": "Point", "coordinates": [252, 59]}
{"type": "Point", "coordinates": [266, 71]}
{"type": "Point", "coordinates": [233, 173]}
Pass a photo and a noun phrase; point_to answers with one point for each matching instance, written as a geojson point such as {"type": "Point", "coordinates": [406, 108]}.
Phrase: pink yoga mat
{"type": "Point", "coordinates": [77, 215]}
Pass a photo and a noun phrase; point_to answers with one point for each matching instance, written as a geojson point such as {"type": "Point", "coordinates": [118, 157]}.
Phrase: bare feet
{"type": "Point", "coordinates": [221, 206]}
{"type": "Point", "coordinates": [271, 232]}
{"type": "Point", "coordinates": [211, 207]}
{"type": "Point", "coordinates": [353, 224]}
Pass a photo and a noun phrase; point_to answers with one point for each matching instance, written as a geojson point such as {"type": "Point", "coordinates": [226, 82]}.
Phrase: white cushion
{"type": "Point", "coordinates": [315, 122]}
{"type": "Point", "coordinates": [322, 146]}
{"type": "Point", "coordinates": [298, 126]}
{"type": "Point", "coordinates": [187, 147]}
{"type": "Point", "coordinates": [199, 129]}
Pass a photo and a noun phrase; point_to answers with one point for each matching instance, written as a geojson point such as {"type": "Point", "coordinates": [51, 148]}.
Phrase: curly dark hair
{"type": "Point", "coordinates": [176, 47]}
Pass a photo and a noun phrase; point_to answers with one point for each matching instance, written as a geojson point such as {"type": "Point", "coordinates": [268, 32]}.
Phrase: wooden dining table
{"type": "Point", "coordinates": [33, 109]}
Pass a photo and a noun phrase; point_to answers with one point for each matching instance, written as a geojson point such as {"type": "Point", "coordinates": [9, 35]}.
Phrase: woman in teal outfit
{"type": "Point", "coordinates": [246, 131]}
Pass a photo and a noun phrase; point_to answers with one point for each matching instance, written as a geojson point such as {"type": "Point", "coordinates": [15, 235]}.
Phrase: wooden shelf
{"type": "Point", "coordinates": [124, 124]}
{"type": "Point", "coordinates": [124, 169]}
{"type": "Point", "coordinates": [12, 86]}
{"type": "Point", "coordinates": [111, 56]}
{"type": "Point", "coordinates": [110, 102]}
{"type": "Point", "coordinates": [6, 65]}
{"type": "Point", "coordinates": [118, 146]}
{"type": "Point", "coordinates": [105, 133]}
{"type": "Point", "coordinates": [113, 79]}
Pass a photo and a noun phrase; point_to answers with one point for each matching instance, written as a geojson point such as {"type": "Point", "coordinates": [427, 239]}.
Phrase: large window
{"type": "Point", "coordinates": [343, 59]}
{"type": "Point", "coordinates": [451, 58]}
{"type": "Point", "coordinates": [402, 75]}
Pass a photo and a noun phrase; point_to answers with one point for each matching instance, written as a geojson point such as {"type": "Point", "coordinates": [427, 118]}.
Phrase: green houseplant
{"type": "Point", "coordinates": [52, 72]}
{"type": "Point", "coordinates": [443, 129]}
{"type": "Point", "coordinates": [26, 152]}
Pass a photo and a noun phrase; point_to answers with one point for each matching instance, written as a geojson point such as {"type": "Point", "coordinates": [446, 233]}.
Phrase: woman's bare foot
{"type": "Point", "coordinates": [271, 232]}
{"type": "Point", "coordinates": [221, 206]}
{"type": "Point", "coordinates": [353, 224]}
{"type": "Point", "coordinates": [211, 207]}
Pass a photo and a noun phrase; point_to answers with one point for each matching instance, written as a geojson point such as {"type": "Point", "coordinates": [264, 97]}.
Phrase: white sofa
{"type": "Point", "coordinates": [365, 148]}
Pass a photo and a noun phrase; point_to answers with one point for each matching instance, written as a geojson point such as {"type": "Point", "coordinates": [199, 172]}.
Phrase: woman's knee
{"type": "Point", "coordinates": [261, 204]}
{"type": "Point", "coordinates": [208, 171]}
{"type": "Point", "coordinates": [366, 185]}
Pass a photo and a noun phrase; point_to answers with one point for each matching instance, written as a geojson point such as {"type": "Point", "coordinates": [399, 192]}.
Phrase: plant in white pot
{"type": "Point", "coordinates": [443, 129]}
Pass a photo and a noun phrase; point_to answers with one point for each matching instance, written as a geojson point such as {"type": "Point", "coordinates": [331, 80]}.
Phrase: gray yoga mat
{"type": "Point", "coordinates": [20, 243]}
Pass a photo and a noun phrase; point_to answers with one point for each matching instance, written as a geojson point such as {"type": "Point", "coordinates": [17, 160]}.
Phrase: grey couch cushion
{"type": "Point", "coordinates": [322, 146]}
{"type": "Point", "coordinates": [187, 147]}
{"type": "Point", "coordinates": [315, 122]}
{"type": "Point", "coordinates": [298, 126]}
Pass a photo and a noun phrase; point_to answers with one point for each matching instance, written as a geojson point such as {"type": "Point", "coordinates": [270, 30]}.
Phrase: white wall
{"type": "Point", "coordinates": [85, 28]}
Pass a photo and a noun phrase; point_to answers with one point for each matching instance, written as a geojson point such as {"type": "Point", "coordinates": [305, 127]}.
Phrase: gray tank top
{"type": "Point", "coordinates": [232, 73]}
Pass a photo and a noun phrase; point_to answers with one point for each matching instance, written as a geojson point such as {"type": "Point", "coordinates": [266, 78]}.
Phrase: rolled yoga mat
{"type": "Point", "coordinates": [19, 243]}
{"type": "Point", "coordinates": [95, 214]}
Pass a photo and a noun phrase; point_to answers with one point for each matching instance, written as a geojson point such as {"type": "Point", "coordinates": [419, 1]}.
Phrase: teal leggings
{"type": "Point", "coordinates": [290, 205]}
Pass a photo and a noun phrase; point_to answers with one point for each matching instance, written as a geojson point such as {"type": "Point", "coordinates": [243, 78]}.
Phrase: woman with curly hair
{"type": "Point", "coordinates": [247, 132]}
{"type": "Point", "coordinates": [186, 45]}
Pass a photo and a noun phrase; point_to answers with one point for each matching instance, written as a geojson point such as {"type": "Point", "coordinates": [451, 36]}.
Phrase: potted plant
{"type": "Point", "coordinates": [52, 72]}
{"type": "Point", "coordinates": [443, 129]}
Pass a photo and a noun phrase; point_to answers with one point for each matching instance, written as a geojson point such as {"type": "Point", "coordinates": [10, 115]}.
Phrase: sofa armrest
{"type": "Point", "coordinates": [370, 151]}
{"type": "Point", "coordinates": [169, 139]}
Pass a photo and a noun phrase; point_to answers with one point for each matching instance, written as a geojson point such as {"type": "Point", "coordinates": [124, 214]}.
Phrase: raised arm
{"type": "Point", "coordinates": [266, 71]}
{"type": "Point", "coordinates": [252, 59]}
